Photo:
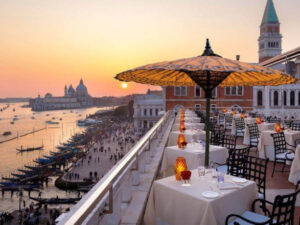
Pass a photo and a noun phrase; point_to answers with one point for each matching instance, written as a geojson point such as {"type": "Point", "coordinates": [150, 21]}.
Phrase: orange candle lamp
{"type": "Point", "coordinates": [224, 110]}
{"type": "Point", "coordinates": [180, 165]}
{"type": "Point", "coordinates": [182, 127]}
{"type": "Point", "coordinates": [232, 112]}
{"type": "Point", "coordinates": [181, 141]}
{"type": "Point", "coordinates": [277, 127]}
{"type": "Point", "coordinates": [258, 120]}
{"type": "Point", "coordinates": [242, 115]}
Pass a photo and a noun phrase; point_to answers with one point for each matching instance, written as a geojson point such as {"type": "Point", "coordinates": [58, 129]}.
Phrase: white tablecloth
{"type": "Point", "coordinates": [171, 203]}
{"type": "Point", "coordinates": [194, 155]}
{"type": "Point", "coordinates": [247, 120]}
{"type": "Point", "coordinates": [189, 135]}
{"type": "Point", "coordinates": [188, 126]}
{"type": "Point", "coordinates": [295, 167]}
{"type": "Point", "coordinates": [188, 119]}
{"type": "Point", "coordinates": [266, 144]}
{"type": "Point", "coordinates": [261, 127]}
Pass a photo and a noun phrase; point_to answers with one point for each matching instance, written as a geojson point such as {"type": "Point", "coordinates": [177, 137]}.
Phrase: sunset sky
{"type": "Point", "coordinates": [45, 44]}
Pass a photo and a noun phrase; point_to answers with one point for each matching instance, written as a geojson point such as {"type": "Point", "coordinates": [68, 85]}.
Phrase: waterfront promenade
{"type": "Point", "coordinates": [104, 153]}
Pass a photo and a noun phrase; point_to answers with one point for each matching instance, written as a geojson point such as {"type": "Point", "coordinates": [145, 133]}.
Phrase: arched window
{"type": "Point", "coordinates": [284, 97]}
{"type": "Point", "coordinates": [292, 98]}
{"type": "Point", "coordinates": [259, 98]}
{"type": "Point", "coordinates": [275, 98]}
{"type": "Point", "coordinates": [299, 98]}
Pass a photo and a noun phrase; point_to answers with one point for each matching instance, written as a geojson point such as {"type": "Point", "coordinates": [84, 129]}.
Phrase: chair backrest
{"type": "Point", "coordinates": [295, 126]}
{"type": "Point", "coordinates": [239, 123]}
{"type": "Point", "coordinates": [235, 161]}
{"type": "Point", "coordinates": [255, 169]}
{"type": "Point", "coordinates": [228, 118]}
{"type": "Point", "coordinates": [229, 141]}
{"type": "Point", "coordinates": [279, 143]}
{"type": "Point", "coordinates": [253, 130]}
{"type": "Point", "coordinates": [284, 208]}
{"type": "Point", "coordinates": [213, 122]}
{"type": "Point", "coordinates": [217, 133]}
{"type": "Point", "coordinates": [221, 116]}
{"type": "Point", "coordinates": [273, 119]}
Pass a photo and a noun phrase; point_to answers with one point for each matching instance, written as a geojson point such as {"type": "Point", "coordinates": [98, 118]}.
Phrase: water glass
{"type": "Point", "coordinates": [220, 177]}
{"type": "Point", "coordinates": [201, 171]}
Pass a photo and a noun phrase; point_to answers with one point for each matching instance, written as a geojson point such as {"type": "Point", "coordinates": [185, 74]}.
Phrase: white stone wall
{"type": "Point", "coordinates": [147, 111]}
{"type": "Point", "coordinates": [283, 111]}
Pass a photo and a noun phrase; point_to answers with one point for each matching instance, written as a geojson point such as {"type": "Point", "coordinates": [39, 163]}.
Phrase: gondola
{"type": "Point", "coordinates": [56, 200]}
{"type": "Point", "coordinates": [11, 179]}
{"type": "Point", "coordinates": [30, 149]}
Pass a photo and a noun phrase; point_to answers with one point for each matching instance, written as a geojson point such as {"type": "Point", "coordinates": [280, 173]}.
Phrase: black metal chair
{"type": "Point", "coordinates": [228, 121]}
{"type": "Point", "coordinates": [221, 118]}
{"type": "Point", "coordinates": [212, 123]}
{"type": "Point", "coordinates": [288, 122]}
{"type": "Point", "coordinates": [295, 126]}
{"type": "Point", "coordinates": [239, 126]}
{"type": "Point", "coordinates": [255, 169]}
{"type": "Point", "coordinates": [254, 135]}
{"type": "Point", "coordinates": [273, 119]}
{"type": "Point", "coordinates": [217, 133]}
{"type": "Point", "coordinates": [282, 213]}
{"type": "Point", "coordinates": [281, 152]}
{"type": "Point", "coordinates": [235, 161]}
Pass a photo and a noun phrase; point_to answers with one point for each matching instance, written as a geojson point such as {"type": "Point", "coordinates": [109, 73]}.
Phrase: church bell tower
{"type": "Point", "coordinates": [269, 42]}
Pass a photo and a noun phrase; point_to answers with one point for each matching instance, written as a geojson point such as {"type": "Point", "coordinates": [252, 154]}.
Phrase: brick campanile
{"type": "Point", "coordinates": [269, 42]}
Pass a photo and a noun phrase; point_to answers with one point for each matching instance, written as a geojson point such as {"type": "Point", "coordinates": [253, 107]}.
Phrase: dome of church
{"type": "Point", "coordinates": [71, 90]}
{"type": "Point", "coordinates": [48, 95]}
{"type": "Point", "coordinates": [81, 87]}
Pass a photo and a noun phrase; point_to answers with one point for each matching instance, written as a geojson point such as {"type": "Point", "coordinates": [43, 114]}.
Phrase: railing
{"type": "Point", "coordinates": [104, 189]}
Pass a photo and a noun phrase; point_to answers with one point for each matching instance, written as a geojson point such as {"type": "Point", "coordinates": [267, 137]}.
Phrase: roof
{"type": "Point", "coordinates": [270, 15]}
{"type": "Point", "coordinates": [292, 54]}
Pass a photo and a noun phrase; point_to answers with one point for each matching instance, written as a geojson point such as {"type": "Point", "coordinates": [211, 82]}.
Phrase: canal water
{"type": "Point", "coordinates": [20, 121]}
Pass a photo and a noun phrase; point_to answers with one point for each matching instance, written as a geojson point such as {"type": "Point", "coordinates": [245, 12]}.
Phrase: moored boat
{"type": "Point", "coordinates": [56, 200]}
{"type": "Point", "coordinates": [30, 149]}
{"type": "Point", "coordinates": [6, 133]}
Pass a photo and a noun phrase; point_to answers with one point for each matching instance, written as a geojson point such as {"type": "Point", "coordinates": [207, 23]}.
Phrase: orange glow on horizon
{"type": "Point", "coordinates": [47, 44]}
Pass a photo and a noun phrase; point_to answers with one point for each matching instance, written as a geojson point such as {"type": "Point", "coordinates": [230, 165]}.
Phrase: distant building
{"type": "Point", "coordinates": [72, 99]}
{"type": "Point", "coordinates": [147, 110]}
{"type": "Point", "coordinates": [269, 41]}
{"type": "Point", "coordinates": [281, 101]}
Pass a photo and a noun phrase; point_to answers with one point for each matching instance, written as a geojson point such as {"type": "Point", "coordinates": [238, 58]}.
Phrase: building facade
{"type": "Point", "coordinates": [147, 110]}
{"type": "Point", "coordinates": [223, 97]}
{"type": "Point", "coordinates": [72, 99]}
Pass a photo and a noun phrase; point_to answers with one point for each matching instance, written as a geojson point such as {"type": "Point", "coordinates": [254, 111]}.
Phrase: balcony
{"type": "Point", "coordinates": [121, 196]}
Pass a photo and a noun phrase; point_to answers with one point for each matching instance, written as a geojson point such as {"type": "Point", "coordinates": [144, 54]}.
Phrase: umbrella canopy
{"type": "Point", "coordinates": [207, 71]}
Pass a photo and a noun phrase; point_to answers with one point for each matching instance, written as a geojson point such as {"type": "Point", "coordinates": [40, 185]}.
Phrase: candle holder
{"type": "Point", "coordinates": [258, 120]}
{"type": "Point", "coordinates": [182, 127]}
{"type": "Point", "coordinates": [180, 140]}
{"type": "Point", "coordinates": [180, 165]}
{"type": "Point", "coordinates": [277, 127]}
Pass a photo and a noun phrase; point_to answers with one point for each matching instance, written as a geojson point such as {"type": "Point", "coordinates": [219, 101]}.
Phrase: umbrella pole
{"type": "Point", "coordinates": [207, 128]}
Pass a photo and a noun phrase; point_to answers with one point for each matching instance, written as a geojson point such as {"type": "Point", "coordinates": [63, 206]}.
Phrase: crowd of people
{"type": "Point", "coordinates": [32, 215]}
{"type": "Point", "coordinates": [106, 151]}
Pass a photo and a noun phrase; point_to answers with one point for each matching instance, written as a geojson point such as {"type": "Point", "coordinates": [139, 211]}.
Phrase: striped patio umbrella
{"type": "Point", "coordinates": [208, 71]}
